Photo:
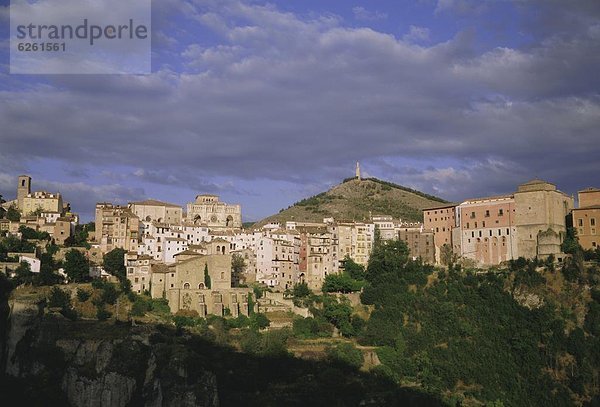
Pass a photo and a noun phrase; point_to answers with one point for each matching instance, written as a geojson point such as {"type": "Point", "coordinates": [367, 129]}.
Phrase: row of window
{"type": "Point", "coordinates": [592, 222]}
{"type": "Point", "coordinates": [491, 233]}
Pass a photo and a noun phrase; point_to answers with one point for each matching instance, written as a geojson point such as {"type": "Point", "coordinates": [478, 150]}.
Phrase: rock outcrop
{"type": "Point", "coordinates": [92, 364]}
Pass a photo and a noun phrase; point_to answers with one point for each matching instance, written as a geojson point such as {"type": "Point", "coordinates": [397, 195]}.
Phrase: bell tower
{"type": "Point", "coordinates": [23, 189]}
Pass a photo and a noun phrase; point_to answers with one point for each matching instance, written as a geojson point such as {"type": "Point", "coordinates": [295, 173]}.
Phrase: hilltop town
{"type": "Point", "coordinates": [420, 303]}
{"type": "Point", "coordinates": [202, 259]}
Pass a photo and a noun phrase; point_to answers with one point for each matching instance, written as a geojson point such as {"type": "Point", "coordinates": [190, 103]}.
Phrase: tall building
{"type": "Point", "coordinates": [420, 243]}
{"type": "Point", "coordinates": [116, 227]}
{"type": "Point", "coordinates": [440, 219]}
{"type": "Point", "coordinates": [488, 229]}
{"type": "Point", "coordinates": [530, 223]}
{"type": "Point", "coordinates": [540, 217]}
{"type": "Point", "coordinates": [23, 189]}
{"type": "Point", "coordinates": [587, 217]}
{"type": "Point", "coordinates": [208, 209]}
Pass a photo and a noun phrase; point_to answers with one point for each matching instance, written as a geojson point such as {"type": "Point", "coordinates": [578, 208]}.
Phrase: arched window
{"type": "Point", "coordinates": [186, 286]}
{"type": "Point", "coordinates": [148, 218]}
{"type": "Point", "coordinates": [201, 286]}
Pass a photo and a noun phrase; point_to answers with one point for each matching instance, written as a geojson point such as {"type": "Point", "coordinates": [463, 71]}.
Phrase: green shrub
{"type": "Point", "coordinates": [141, 305]}
{"type": "Point", "coordinates": [83, 295]}
{"type": "Point", "coordinates": [346, 353]}
{"type": "Point", "coordinates": [109, 294]}
{"type": "Point", "coordinates": [103, 314]}
{"type": "Point", "coordinates": [59, 298]}
{"type": "Point", "coordinates": [259, 321]}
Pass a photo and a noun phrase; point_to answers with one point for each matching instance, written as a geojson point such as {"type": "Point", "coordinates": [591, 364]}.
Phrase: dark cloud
{"type": "Point", "coordinates": [292, 99]}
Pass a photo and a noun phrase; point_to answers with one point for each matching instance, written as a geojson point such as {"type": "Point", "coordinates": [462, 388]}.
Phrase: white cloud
{"type": "Point", "coordinates": [416, 34]}
{"type": "Point", "coordinates": [280, 97]}
{"type": "Point", "coordinates": [360, 13]}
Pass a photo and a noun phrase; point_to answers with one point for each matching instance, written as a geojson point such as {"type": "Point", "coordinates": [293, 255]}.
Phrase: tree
{"type": "Point", "coordinates": [447, 256]}
{"type": "Point", "coordinates": [346, 353]}
{"type": "Point", "coordinates": [23, 274]}
{"type": "Point", "coordinates": [79, 238]}
{"type": "Point", "coordinates": [259, 321]}
{"type": "Point", "coordinates": [571, 243]}
{"type": "Point", "coordinates": [301, 290]}
{"type": "Point", "coordinates": [206, 276]}
{"type": "Point", "coordinates": [238, 266]}
{"type": "Point", "coordinates": [13, 214]}
{"type": "Point", "coordinates": [354, 270]}
{"type": "Point", "coordinates": [28, 233]}
{"type": "Point", "coordinates": [2, 210]}
{"type": "Point", "coordinates": [387, 257]}
{"type": "Point", "coordinates": [77, 266]}
{"type": "Point", "coordinates": [341, 282]}
{"type": "Point", "coordinates": [114, 263]}
{"type": "Point", "coordinates": [47, 275]}
{"type": "Point", "coordinates": [62, 299]}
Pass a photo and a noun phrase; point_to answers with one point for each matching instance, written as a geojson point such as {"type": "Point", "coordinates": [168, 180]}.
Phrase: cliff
{"type": "Point", "coordinates": [54, 361]}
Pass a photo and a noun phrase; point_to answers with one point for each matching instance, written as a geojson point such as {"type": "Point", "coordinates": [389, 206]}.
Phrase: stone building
{"type": "Point", "coordinates": [540, 218]}
{"type": "Point", "coordinates": [153, 210]}
{"type": "Point", "coordinates": [420, 243]}
{"type": "Point", "coordinates": [440, 219]}
{"type": "Point", "coordinates": [208, 209]}
{"type": "Point", "coordinates": [317, 258]}
{"type": "Point", "coordinates": [354, 239]}
{"type": "Point", "coordinates": [30, 202]}
{"type": "Point", "coordinates": [587, 217]}
{"type": "Point", "coordinates": [488, 233]}
{"type": "Point", "coordinates": [184, 285]}
{"type": "Point", "coordinates": [116, 227]}
{"type": "Point", "coordinates": [138, 271]}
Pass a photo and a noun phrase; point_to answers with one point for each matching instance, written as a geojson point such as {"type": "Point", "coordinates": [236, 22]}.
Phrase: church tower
{"type": "Point", "coordinates": [357, 171]}
{"type": "Point", "coordinates": [23, 189]}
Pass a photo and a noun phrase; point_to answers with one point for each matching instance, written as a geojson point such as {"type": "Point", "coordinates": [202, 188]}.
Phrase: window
{"type": "Point", "coordinates": [487, 213]}
{"type": "Point", "coordinates": [483, 224]}
{"type": "Point", "coordinates": [580, 222]}
{"type": "Point", "coordinates": [472, 215]}
{"type": "Point", "coordinates": [593, 222]}
{"type": "Point", "coordinates": [500, 212]}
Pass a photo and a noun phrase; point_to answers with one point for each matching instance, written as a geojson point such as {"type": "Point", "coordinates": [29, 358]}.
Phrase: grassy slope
{"type": "Point", "coordinates": [356, 200]}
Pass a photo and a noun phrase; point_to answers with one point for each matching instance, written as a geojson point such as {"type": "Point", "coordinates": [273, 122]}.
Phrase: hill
{"type": "Point", "coordinates": [357, 200]}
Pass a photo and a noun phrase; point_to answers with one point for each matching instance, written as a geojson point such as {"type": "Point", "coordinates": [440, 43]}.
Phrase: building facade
{"type": "Point", "coordinates": [541, 218]}
{"type": "Point", "coordinates": [153, 210]}
{"type": "Point", "coordinates": [116, 227]}
{"type": "Point", "coordinates": [488, 233]}
{"type": "Point", "coordinates": [208, 209]}
{"type": "Point", "coordinates": [587, 217]}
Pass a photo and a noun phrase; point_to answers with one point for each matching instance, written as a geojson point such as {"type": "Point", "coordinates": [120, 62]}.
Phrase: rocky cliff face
{"type": "Point", "coordinates": [86, 363]}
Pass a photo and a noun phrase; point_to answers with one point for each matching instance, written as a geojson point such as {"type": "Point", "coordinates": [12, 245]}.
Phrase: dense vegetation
{"type": "Point", "coordinates": [466, 335]}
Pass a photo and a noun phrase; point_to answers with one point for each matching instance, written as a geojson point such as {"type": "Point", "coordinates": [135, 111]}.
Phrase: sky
{"type": "Point", "coordinates": [266, 103]}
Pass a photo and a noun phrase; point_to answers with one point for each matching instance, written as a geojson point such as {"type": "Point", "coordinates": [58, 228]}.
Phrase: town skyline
{"type": "Point", "coordinates": [265, 104]}
{"type": "Point", "coordinates": [86, 214]}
